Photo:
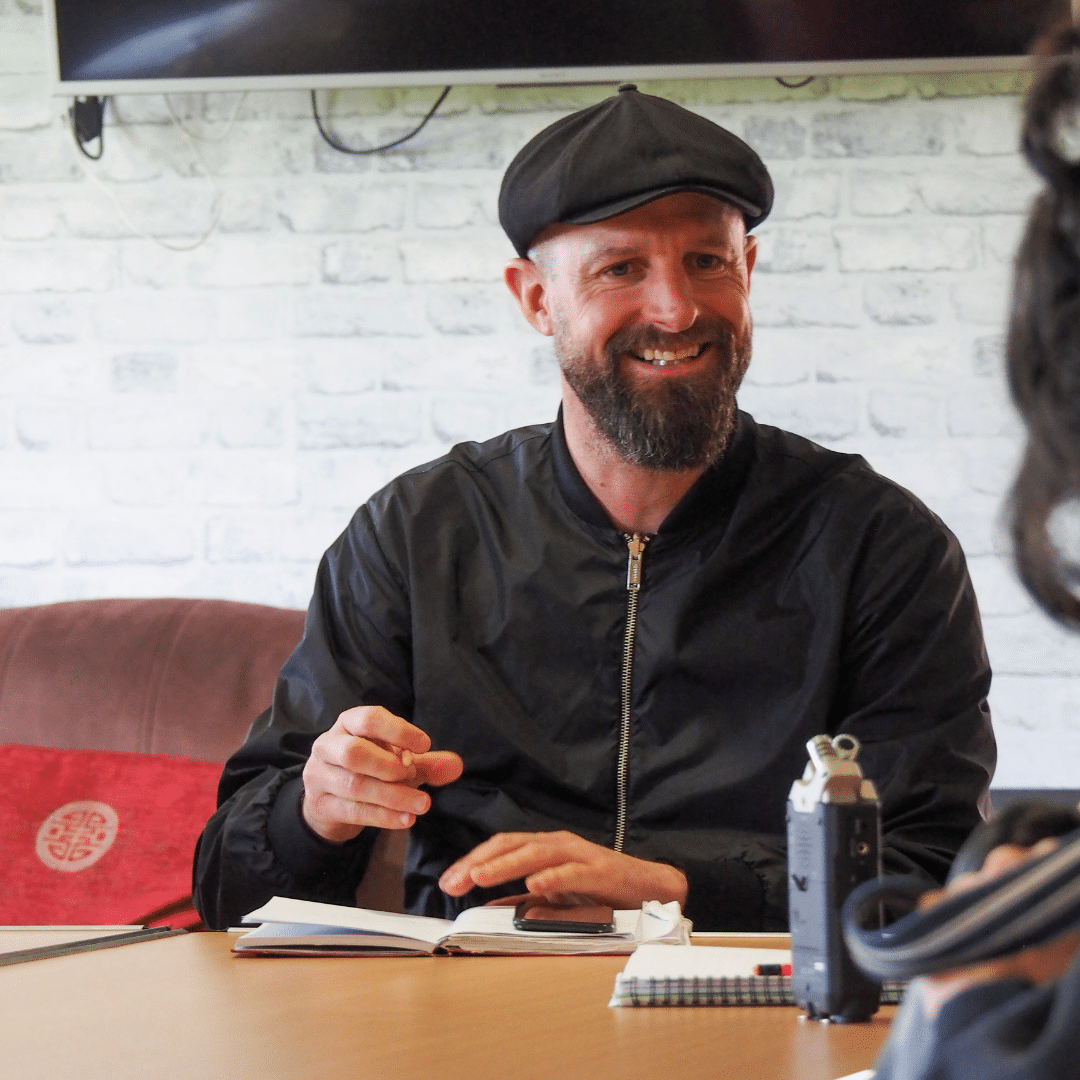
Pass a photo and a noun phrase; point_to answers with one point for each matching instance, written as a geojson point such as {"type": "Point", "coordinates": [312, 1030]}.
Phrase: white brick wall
{"type": "Point", "coordinates": [204, 423]}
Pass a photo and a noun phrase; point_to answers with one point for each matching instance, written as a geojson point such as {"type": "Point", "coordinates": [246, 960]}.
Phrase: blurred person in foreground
{"type": "Point", "coordinates": [1018, 1016]}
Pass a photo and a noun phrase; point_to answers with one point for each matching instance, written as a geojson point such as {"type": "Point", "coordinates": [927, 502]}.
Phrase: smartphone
{"type": "Point", "coordinates": [580, 919]}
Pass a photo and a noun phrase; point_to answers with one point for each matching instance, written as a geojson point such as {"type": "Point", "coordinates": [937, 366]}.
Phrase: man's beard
{"type": "Point", "coordinates": [678, 424]}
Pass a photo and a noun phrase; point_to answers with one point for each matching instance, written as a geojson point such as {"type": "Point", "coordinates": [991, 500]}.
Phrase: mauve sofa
{"type": "Point", "coordinates": [163, 676]}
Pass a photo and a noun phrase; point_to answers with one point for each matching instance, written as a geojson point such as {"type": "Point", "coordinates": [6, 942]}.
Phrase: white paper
{"type": "Point", "coordinates": [283, 909]}
{"type": "Point", "coordinates": [699, 961]}
{"type": "Point", "coordinates": [664, 921]}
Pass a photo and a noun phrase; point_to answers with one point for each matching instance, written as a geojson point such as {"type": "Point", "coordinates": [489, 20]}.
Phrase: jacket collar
{"type": "Point", "coordinates": [716, 487]}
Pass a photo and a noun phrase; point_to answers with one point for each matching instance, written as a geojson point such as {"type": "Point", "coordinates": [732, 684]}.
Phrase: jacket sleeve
{"type": "Point", "coordinates": [355, 651]}
{"type": "Point", "coordinates": [912, 680]}
{"type": "Point", "coordinates": [913, 690]}
{"type": "Point", "coordinates": [745, 889]}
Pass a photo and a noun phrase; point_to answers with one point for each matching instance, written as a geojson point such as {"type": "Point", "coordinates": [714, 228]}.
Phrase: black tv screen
{"type": "Point", "coordinates": [374, 42]}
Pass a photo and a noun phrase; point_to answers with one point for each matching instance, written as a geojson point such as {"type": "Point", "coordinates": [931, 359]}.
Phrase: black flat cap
{"type": "Point", "coordinates": [620, 154]}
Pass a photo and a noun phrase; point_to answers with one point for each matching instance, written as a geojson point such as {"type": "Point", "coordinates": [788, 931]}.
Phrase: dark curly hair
{"type": "Point", "coordinates": [1043, 346]}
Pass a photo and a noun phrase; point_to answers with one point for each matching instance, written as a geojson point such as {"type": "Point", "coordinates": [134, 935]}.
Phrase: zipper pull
{"type": "Point", "coordinates": [636, 544]}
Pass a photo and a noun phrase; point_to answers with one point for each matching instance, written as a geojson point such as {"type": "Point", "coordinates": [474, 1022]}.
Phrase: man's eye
{"type": "Point", "coordinates": [706, 262]}
{"type": "Point", "coordinates": [619, 269]}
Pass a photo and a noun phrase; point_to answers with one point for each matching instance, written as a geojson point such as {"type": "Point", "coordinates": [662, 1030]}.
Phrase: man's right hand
{"type": "Point", "coordinates": [366, 770]}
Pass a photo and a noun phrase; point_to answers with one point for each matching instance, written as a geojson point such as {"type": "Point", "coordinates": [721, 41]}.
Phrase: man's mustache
{"type": "Point", "coordinates": [636, 339]}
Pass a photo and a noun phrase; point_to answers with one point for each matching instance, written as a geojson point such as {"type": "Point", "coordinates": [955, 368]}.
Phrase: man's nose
{"type": "Point", "coordinates": [670, 303]}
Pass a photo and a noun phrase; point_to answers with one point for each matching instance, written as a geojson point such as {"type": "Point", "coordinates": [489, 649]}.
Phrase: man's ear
{"type": "Point", "coordinates": [750, 254]}
{"type": "Point", "coordinates": [525, 280]}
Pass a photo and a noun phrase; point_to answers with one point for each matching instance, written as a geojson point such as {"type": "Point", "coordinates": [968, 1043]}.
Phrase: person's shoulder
{"type": "Point", "coordinates": [498, 462]}
{"type": "Point", "coordinates": [520, 443]}
{"type": "Point", "coordinates": [519, 446]}
{"type": "Point", "coordinates": [472, 479]}
{"type": "Point", "coordinates": [845, 479]}
{"type": "Point", "coordinates": [777, 448]}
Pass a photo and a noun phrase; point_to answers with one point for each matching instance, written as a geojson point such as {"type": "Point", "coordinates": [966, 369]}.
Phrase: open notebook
{"type": "Point", "coordinates": [305, 928]}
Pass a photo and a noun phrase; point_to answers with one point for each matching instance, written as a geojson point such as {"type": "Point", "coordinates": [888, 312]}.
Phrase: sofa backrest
{"type": "Point", "coordinates": [180, 677]}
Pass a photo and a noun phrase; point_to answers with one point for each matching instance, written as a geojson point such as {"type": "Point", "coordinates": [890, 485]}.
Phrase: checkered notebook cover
{"type": "Point", "coordinates": [709, 975]}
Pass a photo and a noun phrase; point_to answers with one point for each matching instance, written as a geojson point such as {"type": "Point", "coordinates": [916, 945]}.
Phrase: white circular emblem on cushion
{"type": "Point", "coordinates": [76, 835]}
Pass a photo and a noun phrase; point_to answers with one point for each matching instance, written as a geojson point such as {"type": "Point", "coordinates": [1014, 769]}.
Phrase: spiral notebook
{"type": "Point", "coordinates": [709, 975]}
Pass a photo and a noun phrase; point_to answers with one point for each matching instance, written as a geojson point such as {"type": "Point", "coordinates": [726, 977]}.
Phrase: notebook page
{"type": "Point", "coordinates": [282, 909]}
{"type": "Point", "coordinates": [698, 961]}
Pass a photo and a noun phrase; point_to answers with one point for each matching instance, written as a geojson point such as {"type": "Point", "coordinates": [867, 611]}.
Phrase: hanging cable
{"type": "Point", "coordinates": [87, 120]}
{"type": "Point", "coordinates": [217, 206]}
{"type": "Point", "coordinates": [202, 136]}
{"type": "Point", "coordinates": [798, 85]}
{"type": "Point", "coordinates": [374, 149]}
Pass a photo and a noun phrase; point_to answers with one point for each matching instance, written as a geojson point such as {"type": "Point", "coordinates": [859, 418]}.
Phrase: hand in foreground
{"type": "Point", "coordinates": [365, 771]}
{"type": "Point", "coordinates": [1038, 964]}
{"type": "Point", "coordinates": [564, 869]}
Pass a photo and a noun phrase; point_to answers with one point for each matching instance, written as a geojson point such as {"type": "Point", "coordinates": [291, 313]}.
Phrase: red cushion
{"type": "Point", "coordinates": [91, 836]}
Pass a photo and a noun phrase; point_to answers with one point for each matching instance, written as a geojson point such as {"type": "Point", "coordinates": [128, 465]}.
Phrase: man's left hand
{"type": "Point", "coordinates": [564, 868]}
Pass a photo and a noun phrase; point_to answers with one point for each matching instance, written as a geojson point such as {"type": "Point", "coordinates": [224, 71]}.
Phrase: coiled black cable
{"type": "Point", "coordinates": [1030, 905]}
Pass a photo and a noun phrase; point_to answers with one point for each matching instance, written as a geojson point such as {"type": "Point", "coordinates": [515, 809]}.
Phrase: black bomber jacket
{"type": "Point", "coordinates": [484, 597]}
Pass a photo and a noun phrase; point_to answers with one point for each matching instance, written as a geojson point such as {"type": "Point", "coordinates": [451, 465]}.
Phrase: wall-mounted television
{"type": "Point", "coordinates": [166, 46]}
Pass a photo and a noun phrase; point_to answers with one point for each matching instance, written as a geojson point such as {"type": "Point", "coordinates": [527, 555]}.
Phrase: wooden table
{"type": "Point", "coordinates": [185, 1008]}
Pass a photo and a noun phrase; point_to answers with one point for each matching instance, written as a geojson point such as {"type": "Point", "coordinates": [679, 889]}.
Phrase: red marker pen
{"type": "Point", "coordinates": [773, 969]}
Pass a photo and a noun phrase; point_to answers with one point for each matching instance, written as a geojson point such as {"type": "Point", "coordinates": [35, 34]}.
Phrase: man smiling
{"type": "Point", "coordinates": [582, 660]}
{"type": "Point", "coordinates": [650, 316]}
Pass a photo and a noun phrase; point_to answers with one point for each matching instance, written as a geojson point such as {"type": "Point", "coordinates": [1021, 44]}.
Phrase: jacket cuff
{"type": "Point", "coordinates": [725, 895]}
{"type": "Point", "coordinates": [297, 846]}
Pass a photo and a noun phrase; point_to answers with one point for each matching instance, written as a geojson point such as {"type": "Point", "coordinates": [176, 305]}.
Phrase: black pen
{"type": "Point", "coordinates": [108, 941]}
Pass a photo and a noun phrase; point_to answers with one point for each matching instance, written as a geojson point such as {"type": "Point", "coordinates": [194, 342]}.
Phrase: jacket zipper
{"type": "Point", "coordinates": [636, 545]}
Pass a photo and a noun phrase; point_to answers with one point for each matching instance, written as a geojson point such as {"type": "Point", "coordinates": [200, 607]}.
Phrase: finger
{"type": "Point", "coordinates": [375, 722]}
{"type": "Point", "coordinates": [1045, 846]}
{"type": "Point", "coordinates": [1002, 859]}
{"type": "Point", "coordinates": [571, 899]}
{"type": "Point", "coordinates": [1006, 857]}
{"type": "Point", "coordinates": [559, 900]}
{"type": "Point", "coordinates": [438, 767]}
{"type": "Point", "coordinates": [364, 757]}
{"type": "Point", "coordinates": [497, 845]}
{"type": "Point", "coordinates": [367, 755]}
{"type": "Point", "coordinates": [367, 789]}
{"type": "Point", "coordinates": [405, 758]}
{"type": "Point", "coordinates": [998, 861]}
{"type": "Point", "coordinates": [330, 815]}
{"type": "Point", "coordinates": [593, 874]}
{"type": "Point", "coordinates": [525, 852]}
{"type": "Point", "coordinates": [457, 879]}
{"type": "Point", "coordinates": [932, 897]}
{"type": "Point", "coordinates": [568, 883]}
{"type": "Point", "coordinates": [513, 901]}
{"type": "Point", "coordinates": [514, 865]}
{"type": "Point", "coordinates": [536, 852]}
